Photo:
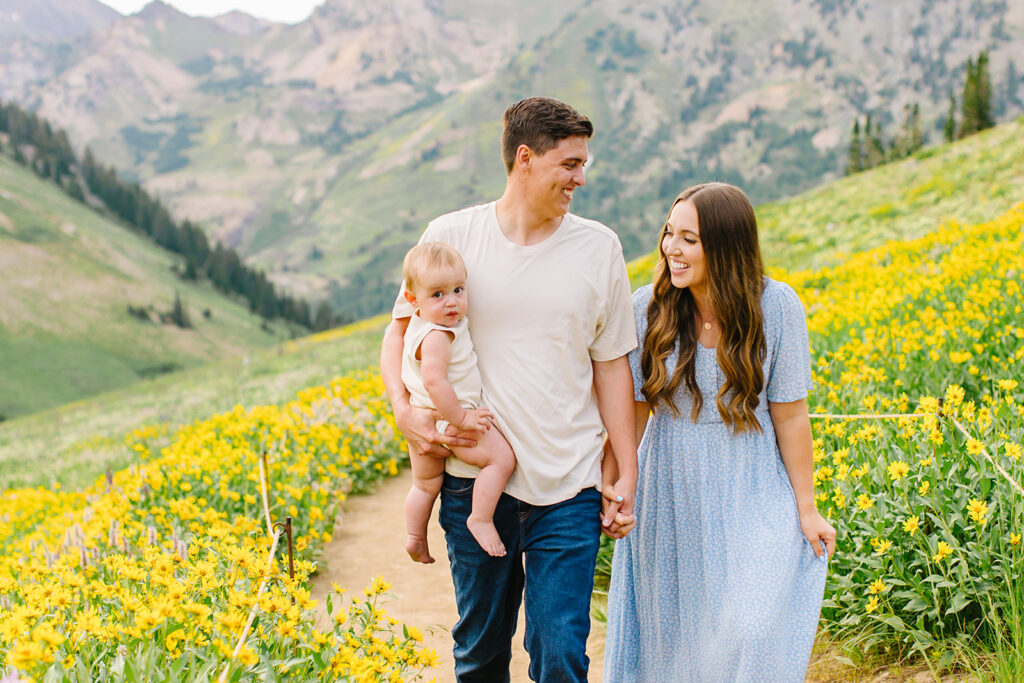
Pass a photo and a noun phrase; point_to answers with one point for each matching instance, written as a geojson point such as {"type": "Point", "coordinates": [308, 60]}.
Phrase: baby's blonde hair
{"type": "Point", "coordinates": [426, 255]}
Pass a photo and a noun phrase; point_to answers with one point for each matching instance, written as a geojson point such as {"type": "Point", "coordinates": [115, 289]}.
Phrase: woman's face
{"type": "Point", "coordinates": [682, 248]}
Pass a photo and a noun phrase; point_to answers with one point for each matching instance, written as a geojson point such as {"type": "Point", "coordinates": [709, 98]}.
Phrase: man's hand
{"type": "Point", "coordinates": [417, 425]}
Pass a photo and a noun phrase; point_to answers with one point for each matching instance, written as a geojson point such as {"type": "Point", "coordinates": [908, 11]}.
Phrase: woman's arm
{"type": "Point", "coordinates": [793, 433]}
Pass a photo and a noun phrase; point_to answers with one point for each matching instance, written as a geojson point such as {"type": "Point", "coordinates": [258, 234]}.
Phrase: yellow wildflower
{"type": "Point", "coordinates": [898, 470]}
{"type": "Point", "coordinates": [912, 524]}
{"type": "Point", "coordinates": [977, 510]}
{"type": "Point", "coordinates": [944, 551]}
{"type": "Point", "coordinates": [872, 604]}
{"type": "Point", "coordinates": [954, 395]}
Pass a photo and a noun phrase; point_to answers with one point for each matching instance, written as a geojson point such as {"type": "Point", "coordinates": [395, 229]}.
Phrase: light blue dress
{"type": "Point", "coordinates": [717, 582]}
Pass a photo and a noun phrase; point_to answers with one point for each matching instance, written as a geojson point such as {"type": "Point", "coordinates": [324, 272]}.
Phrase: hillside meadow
{"type": "Point", "coordinates": [928, 505]}
{"type": "Point", "coordinates": [69, 275]}
{"type": "Point", "coordinates": [969, 181]}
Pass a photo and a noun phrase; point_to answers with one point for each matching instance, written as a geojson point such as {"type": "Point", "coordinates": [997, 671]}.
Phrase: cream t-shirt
{"type": "Point", "coordinates": [538, 316]}
{"type": "Point", "coordinates": [462, 371]}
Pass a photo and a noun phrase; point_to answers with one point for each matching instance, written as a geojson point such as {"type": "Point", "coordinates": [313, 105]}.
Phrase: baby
{"type": "Point", "coordinates": [439, 370]}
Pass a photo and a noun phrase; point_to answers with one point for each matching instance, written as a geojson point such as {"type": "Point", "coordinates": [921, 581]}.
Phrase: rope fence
{"type": "Point", "coordinates": [275, 531]}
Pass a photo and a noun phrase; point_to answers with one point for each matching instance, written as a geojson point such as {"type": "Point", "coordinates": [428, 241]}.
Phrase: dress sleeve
{"type": "Point", "coordinates": [641, 299]}
{"type": "Point", "coordinates": [789, 377]}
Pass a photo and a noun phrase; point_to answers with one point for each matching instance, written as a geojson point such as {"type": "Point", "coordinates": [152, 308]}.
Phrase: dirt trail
{"type": "Point", "coordinates": [370, 540]}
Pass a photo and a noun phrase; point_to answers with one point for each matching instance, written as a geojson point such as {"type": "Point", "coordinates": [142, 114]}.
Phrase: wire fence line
{"type": "Point", "coordinates": [893, 416]}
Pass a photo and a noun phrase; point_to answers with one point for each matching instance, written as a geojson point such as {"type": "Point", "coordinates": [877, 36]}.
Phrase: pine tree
{"type": "Point", "coordinates": [949, 128]}
{"type": "Point", "coordinates": [916, 133]}
{"type": "Point", "coordinates": [179, 314]}
{"type": "Point", "coordinates": [874, 147]}
{"type": "Point", "coordinates": [855, 163]}
{"type": "Point", "coordinates": [324, 317]}
{"type": "Point", "coordinates": [983, 84]}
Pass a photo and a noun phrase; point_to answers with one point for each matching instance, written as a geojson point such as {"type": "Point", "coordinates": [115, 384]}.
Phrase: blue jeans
{"type": "Point", "coordinates": [560, 545]}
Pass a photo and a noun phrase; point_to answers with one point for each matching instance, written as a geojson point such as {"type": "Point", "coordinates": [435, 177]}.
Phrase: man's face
{"type": "Point", "coordinates": [555, 175]}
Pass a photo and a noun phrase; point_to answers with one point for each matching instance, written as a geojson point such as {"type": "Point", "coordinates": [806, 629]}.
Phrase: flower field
{"type": "Point", "coordinates": [930, 529]}
{"type": "Point", "coordinates": [152, 572]}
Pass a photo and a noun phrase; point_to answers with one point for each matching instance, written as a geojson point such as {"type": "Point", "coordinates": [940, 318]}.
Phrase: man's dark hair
{"type": "Point", "coordinates": [540, 123]}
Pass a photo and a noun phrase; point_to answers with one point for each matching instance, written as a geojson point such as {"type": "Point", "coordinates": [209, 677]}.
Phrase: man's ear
{"type": "Point", "coordinates": [524, 155]}
{"type": "Point", "coordinates": [410, 297]}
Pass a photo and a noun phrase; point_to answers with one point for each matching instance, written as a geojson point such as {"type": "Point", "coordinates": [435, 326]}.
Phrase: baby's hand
{"type": "Point", "coordinates": [476, 420]}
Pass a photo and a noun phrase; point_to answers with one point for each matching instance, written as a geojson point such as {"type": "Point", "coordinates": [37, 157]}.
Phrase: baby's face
{"type": "Point", "coordinates": [441, 296]}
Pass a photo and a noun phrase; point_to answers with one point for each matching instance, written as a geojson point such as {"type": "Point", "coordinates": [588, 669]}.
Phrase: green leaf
{"type": "Point", "coordinates": [959, 602]}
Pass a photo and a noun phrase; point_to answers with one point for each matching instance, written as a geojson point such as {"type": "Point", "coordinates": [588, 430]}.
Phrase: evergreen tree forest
{"type": "Point", "coordinates": [33, 142]}
{"type": "Point", "coordinates": [869, 148]}
{"type": "Point", "coordinates": [976, 112]}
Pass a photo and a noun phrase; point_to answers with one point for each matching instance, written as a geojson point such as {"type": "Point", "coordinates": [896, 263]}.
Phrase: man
{"type": "Point", "coordinates": [551, 321]}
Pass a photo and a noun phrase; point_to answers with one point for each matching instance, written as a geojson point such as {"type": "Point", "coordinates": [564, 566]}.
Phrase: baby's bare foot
{"type": "Point", "coordinates": [487, 536]}
{"type": "Point", "coordinates": [416, 546]}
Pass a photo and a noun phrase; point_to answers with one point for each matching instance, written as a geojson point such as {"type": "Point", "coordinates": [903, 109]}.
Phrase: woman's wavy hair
{"type": "Point", "coordinates": [735, 281]}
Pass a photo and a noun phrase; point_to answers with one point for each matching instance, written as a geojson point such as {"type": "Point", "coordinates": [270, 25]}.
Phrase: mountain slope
{"type": "Point", "coordinates": [966, 182]}
{"type": "Point", "coordinates": [53, 18]}
{"type": "Point", "coordinates": [68, 278]}
{"type": "Point", "coordinates": [320, 149]}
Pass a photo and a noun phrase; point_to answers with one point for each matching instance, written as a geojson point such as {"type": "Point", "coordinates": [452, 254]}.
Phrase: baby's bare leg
{"type": "Point", "coordinates": [428, 473]}
{"type": "Point", "coordinates": [494, 457]}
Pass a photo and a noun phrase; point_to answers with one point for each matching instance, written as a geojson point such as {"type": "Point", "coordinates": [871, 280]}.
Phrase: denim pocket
{"type": "Point", "coordinates": [457, 486]}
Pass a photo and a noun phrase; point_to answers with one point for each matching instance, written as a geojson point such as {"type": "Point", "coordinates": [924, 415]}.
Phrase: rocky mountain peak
{"type": "Point", "coordinates": [53, 18]}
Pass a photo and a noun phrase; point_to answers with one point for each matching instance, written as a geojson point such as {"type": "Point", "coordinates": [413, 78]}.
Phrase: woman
{"type": "Point", "coordinates": [722, 579]}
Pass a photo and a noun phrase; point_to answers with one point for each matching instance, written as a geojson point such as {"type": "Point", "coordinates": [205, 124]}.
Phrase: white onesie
{"type": "Point", "coordinates": [463, 374]}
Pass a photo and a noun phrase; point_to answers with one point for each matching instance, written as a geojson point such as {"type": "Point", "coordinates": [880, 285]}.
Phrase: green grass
{"type": "Point", "coordinates": [74, 443]}
{"type": "Point", "coordinates": [68, 276]}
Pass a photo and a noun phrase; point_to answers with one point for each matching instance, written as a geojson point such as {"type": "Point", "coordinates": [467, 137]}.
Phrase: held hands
{"type": "Point", "coordinates": [617, 517]}
{"type": "Point", "coordinates": [817, 530]}
{"type": "Point", "coordinates": [417, 425]}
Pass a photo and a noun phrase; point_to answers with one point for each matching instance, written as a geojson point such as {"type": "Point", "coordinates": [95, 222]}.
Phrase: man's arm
{"type": "Point", "coordinates": [416, 424]}
{"type": "Point", "coordinates": [613, 385]}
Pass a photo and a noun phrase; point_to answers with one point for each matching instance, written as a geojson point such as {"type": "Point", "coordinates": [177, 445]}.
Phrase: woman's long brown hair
{"type": "Point", "coordinates": [735, 281]}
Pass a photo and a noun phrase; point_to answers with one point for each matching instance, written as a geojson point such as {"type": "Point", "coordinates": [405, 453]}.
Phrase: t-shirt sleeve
{"type": "Point", "coordinates": [402, 308]}
{"type": "Point", "coordinates": [616, 331]}
{"type": "Point", "coordinates": [641, 299]}
{"type": "Point", "coordinates": [789, 377]}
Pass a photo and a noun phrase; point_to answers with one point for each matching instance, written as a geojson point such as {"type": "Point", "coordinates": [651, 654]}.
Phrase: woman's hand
{"type": "Point", "coordinates": [617, 518]}
{"type": "Point", "coordinates": [817, 530]}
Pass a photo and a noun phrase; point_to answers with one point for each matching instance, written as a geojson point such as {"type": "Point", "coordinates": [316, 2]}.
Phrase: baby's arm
{"type": "Point", "coordinates": [435, 354]}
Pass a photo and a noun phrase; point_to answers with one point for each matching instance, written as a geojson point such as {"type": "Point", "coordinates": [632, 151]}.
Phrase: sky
{"type": "Point", "coordinates": [287, 11]}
